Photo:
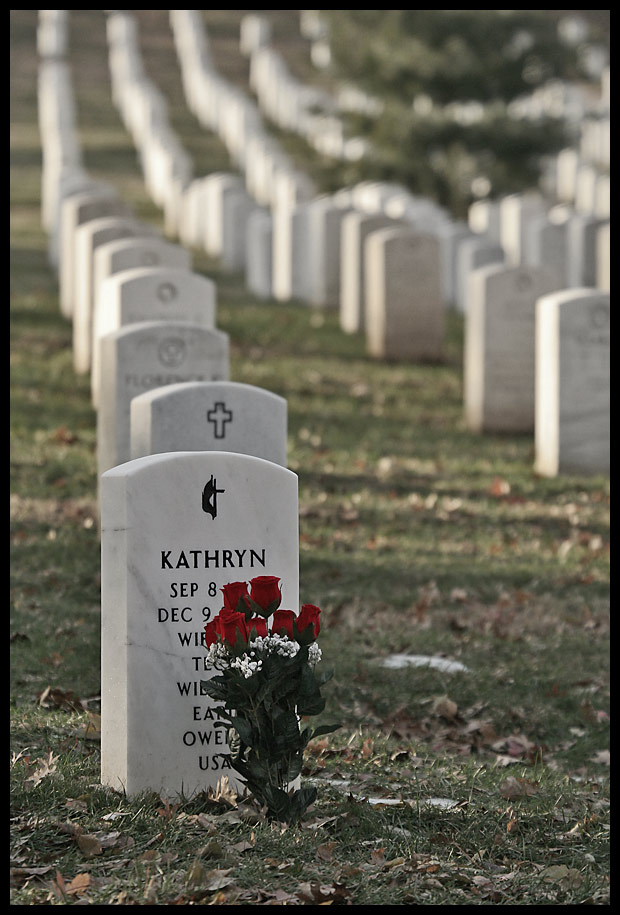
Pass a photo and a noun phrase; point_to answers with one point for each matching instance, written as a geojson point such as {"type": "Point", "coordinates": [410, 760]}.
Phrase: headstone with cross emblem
{"type": "Point", "coordinates": [210, 416]}
{"type": "Point", "coordinates": [156, 293]}
{"type": "Point", "coordinates": [176, 528]}
{"type": "Point", "coordinates": [147, 355]}
{"type": "Point", "coordinates": [572, 432]}
{"type": "Point", "coordinates": [499, 352]}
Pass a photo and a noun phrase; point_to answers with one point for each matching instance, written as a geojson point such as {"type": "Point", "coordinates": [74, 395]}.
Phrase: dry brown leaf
{"type": "Point", "coordinates": [79, 884]}
{"type": "Point", "coordinates": [514, 788]}
{"type": "Point", "coordinates": [445, 707]}
{"type": "Point", "coordinates": [90, 846]}
{"type": "Point", "coordinates": [325, 852]}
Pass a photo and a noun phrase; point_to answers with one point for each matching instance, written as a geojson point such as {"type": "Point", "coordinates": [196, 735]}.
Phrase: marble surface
{"type": "Point", "coordinates": [163, 562]}
{"type": "Point", "coordinates": [88, 237]}
{"type": "Point", "coordinates": [405, 313]}
{"type": "Point", "coordinates": [500, 346]}
{"type": "Point", "coordinates": [158, 293]}
{"type": "Point", "coordinates": [573, 390]}
{"type": "Point", "coordinates": [74, 211]}
{"type": "Point", "coordinates": [210, 416]}
{"type": "Point", "coordinates": [147, 355]}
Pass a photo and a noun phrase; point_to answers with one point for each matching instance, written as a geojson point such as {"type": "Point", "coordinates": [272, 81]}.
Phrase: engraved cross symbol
{"type": "Point", "coordinates": [219, 416]}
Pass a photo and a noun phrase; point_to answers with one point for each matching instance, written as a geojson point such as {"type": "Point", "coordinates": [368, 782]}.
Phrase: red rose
{"type": "Point", "coordinates": [259, 623]}
{"type": "Point", "coordinates": [211, 633]}
{"type": "Point", "coordinates": [233, 592]}
{"type": "Point", "coordinates": [283, 620]}
{"type": "Point", "coordinates": [309, 616]}
{"type": "Point", "coordinates": [265, 591]}
{"type": "Point", "coordinates": [230, 625]}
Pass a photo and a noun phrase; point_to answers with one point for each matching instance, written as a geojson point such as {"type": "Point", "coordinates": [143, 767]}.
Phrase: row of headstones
{"type": "Point", "coordinates": [362, 250]}
{"type": "Point", "coordinates": [195, 491]}
{"type": "Point", "coordinates": [410, 274]}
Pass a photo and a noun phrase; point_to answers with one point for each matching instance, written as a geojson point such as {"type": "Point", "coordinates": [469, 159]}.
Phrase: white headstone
{"type": "Point", "coordinates": [149, 294]}
{"type": "Point", "coordinates": [546, 244]}
{"type": "Point", "coordinates": [500, 347]}
{"type": "Point", "coordinates": [325, 217]}
{"type": "Point", "coordinates": [147, 355]}
{"type": "Point", "coordinates": [127, 253]}
{"type": "Point", "coordinates": [176, 528]}
{"type": "Point", "coordinates": [572, 433]}
{"type": "Point", "coordinates": [355, 229]}
{"type": "Point", "coordinates": [582, 232]}
{"type": "Point", "coordinates": [74, 211]}
{"type": "Point", "coordinates": [405, 314]}
{"type": "Point", "coordinates": [259, 253]}
{"type": "Point", "coordinates": [210, 416]}
{"type": "Point", "coordinates": [471, 254]}
{"type": "Point", "coordinates": [516, 211]}
{"type": "Point", "coordinates": [88, 237]}
{"type": "Point", "coordinates": [603, 258]}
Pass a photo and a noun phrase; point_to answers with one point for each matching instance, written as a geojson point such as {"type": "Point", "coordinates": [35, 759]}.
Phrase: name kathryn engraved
{"type": "Point", "coordinates": [213, 559]}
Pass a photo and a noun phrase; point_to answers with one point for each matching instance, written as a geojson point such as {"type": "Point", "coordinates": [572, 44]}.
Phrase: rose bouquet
{"type": "Point", "coordinates": [268, 683]}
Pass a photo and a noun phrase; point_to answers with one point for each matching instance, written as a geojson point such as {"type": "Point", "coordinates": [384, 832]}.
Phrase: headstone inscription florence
{"type": "Point", "coordinates": [146, 355]}
{"type": "Point", "coordinates": [175, 528]}
{"type": "Point", "coordinates": [149, 294]}
{"type": "Point", "coordinates": [572, 432]}
{"type": "Point", "coordinates": [210, 416]}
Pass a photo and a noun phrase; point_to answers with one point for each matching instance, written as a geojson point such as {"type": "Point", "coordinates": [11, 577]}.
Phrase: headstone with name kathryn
{"type": "Point", "coordinates": [149, 294]}
{"type": "Point", "coordinates": [210, 416]}
{"type": "Point", "coordinates": [405, 314]}
{"type": "Point", "coordinates": [500, 345]}
{"type": "Point", "coordinates": [88, 237]}
{"type": "Point", "coordinates": [146, 355]}
{"type": "Point", "coordinates": [572, 433]}
{"type": "Point", "coordinates": [176, 528]}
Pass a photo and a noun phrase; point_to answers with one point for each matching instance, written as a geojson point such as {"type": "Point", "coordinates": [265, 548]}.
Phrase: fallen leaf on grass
{"type": "Point", "coordinates": [322, 894]}
{"type": "Point", "coordinates": [325, 852]}
{"type": "Point", "coordinates": [79, 884]}
{"type": "Point", "coordinates": [602, 757]}
{"type": "Point", "coordinates": [560, 873]}
{"type": "Point", "coordinates": [21, 874]}
{"type": "Point", "coordinates": [46, 766]}
{"type": "Point", "coordinates": [90, 846]}
{"type": "Point", "coordinates": [514, 788]}
{"type": "Point", "coordinates": [52, 697]}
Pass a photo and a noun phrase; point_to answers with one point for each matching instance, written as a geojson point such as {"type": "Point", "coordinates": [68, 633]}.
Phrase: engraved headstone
{"type": "Point", "coordinates": [210, 416]}
{"type": "Point", "coordinates": [404, 310]}
{"type": "Point", "coordinates": [500, 346]}
{"type": "Point", "coordinates": [176, 528]}
{"type": "Point", "coordinates": [149, 294]}
{"type": "Point", "coordinates": [355, 229]}
{"type": "Point", "coordinates": [74, 211]}
{"type": "Point", "coordinates": [259, 253]}
{"type": "Point", "coordinates": [88, 237]}
{"type": "Point", "coordinates": [148, 355]}
{"type": "Point", "coordinates": [572, 433]}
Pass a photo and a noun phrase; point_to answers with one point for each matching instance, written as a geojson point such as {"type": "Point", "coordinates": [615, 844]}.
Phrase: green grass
{"type": "Point", "coordinates": [416, 536]}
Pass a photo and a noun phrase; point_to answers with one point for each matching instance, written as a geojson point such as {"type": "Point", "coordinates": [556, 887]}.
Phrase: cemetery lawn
{"type": "Point", "coordinates": [482, 785]}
